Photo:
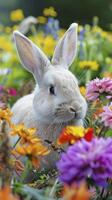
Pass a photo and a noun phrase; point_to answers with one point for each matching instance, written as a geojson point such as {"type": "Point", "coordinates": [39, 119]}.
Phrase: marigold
{"type": "Point", "coordinates": [27, 134]}
{"type": "Point", "coordinates": [5, 115]}
{"type": "Point", "coordinates": [29, 144]}
{"type": "Point", "coordinates": [93, 65]}
{"type": "Point", "coordinates": [32, 151]}
{"type": "Point", "coordinates": [71, 134]}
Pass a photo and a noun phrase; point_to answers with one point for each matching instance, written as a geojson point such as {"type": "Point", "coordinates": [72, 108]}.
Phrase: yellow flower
{"type": "Point", "coordinates": [17, 15]}
{"type": "Point", "coordinates": [86, 64]}
{"type": "Point", "coordinates": [76, 131]}
{"type": "Point", "coordinates": [97, 29]}
{"type": "Point", "coordinates": [83, 90]}
{"type": "Point", "coordinates": [5, 115]}
{"type": "Point", "coordinates": [49, 45]}
{"type": "Point", "coordinates": [42, 20]}
{"type": "Point", "coordinates": [5, 43]}
{"type": "Point", "coordinates": [50, 12]}
{"type": "Point", "coordinates": [30, 149]}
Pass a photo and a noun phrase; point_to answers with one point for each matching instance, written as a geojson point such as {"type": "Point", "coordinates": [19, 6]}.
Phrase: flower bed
{"type": "Point", "coordinates": [84, 170]}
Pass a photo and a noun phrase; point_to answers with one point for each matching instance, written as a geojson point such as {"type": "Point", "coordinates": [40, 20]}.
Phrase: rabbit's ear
{"type": "Point", "coordinates": [32, 58]}
{"type": "Point", "coordinates": [66, 48]}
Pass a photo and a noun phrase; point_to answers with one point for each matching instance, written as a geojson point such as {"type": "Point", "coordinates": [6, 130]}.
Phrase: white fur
{"type": "Point", "coordinates": [47, 112]}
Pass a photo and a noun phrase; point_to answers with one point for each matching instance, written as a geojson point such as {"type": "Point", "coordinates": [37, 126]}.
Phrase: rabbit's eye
{"type": "Point", "coordinates": [52, 90]}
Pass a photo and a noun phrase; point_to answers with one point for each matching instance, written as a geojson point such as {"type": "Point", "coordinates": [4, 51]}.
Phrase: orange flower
{"type": "Point", "coordinates": [75, 192]}
{"type": "Point", "coordinates": [5, 115]}
{"type": "Point", "coordinates": [28, 134]}
{"type": "Point", "coordinates": [6, 194]}
{"type": "Point", "coordinates": [29, 145]}
{"type": "Point", "coordinates": [32, 151]}
{"type": "Point", "coordinates": [71, 134]}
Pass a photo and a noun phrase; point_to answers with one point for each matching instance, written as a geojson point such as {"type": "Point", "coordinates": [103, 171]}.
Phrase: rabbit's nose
{"type": "Point", "coordinates": [73, 110]}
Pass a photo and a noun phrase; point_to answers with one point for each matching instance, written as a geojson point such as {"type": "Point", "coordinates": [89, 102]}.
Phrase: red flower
{"type": "Point", "coordinates": [89, 134]}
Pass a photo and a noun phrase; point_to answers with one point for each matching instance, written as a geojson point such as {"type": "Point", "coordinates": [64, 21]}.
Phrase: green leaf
{"type": "Point", "coordinates": [35, 193]}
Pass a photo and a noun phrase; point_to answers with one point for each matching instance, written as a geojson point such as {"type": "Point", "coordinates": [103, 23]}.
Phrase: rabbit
{"type": "Point", "coordinates": [56, 100]}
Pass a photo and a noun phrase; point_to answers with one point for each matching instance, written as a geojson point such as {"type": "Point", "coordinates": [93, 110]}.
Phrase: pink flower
{"type": "Point", "coordinates": [106, 115]}
{"type": "Point", "coordinates": [1, 88]}
{"type": "Point", "coordinates": [2, 105]}
{"type": "Point", "coordinates": [98, 87]}
{"type": "Point", "coordinates": [12, 92]}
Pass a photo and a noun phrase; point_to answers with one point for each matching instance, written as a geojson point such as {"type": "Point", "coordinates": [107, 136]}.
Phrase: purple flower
{"type": "Point", "coordinates": [106, 115]}
{"type": "Point", "coordinates": [87, 160]}
{"type": "Point", "coordinates": [97, 87]}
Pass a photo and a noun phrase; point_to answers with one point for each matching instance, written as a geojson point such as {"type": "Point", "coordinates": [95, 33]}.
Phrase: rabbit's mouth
{"type": "Point", "coordinates": [65, 117]}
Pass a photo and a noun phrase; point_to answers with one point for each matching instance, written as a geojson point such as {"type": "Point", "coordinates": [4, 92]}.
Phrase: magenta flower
{"type": "Point", "coordinates": [87, 160]}
{"type": "Point", "coordinates": [12, 92]}
{"type": "Point", "coordinates": [98, 87]}
{"type": "Point", "coordinates": [106, 115]}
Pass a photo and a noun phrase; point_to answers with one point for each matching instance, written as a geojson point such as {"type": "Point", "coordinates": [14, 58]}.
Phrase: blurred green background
{"type": "Point", "coordinates": [81, 11]}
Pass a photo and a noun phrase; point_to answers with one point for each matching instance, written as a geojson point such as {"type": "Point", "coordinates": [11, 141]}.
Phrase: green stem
{"type": "Point", "coordinates": [52, 192]}
{"type": "Point", "coordinates": [88, 76]}
{"type": "Point", "coordinates": [16, 142]}
{"type": "Point", "coordinates": [28, 167]}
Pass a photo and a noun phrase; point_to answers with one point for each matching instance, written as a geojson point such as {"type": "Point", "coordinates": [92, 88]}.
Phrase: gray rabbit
{"type": "Point", "coordinates": [56, 100]}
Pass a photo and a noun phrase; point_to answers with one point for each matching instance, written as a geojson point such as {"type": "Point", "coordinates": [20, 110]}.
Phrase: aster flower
{"type": "Point", "coordinates": [98, 87]}
{"type": "Point", "coordinates": [106, 115]}
{"type": "Point", "coordinates": [87, 160]}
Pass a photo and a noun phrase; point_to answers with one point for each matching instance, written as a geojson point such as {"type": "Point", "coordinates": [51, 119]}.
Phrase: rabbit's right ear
{"type": "Point", "coordinates": [32, 58]}
{"type": "Point", "coordinates": [66, 48]}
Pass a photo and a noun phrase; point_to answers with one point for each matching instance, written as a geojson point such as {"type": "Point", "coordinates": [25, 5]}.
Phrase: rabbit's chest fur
{"type": "Point", "coordinates": [23, 113]}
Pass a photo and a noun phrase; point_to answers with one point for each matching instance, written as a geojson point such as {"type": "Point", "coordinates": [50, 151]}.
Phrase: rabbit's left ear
{"type": "Point", "coordinates": [66, 48]}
